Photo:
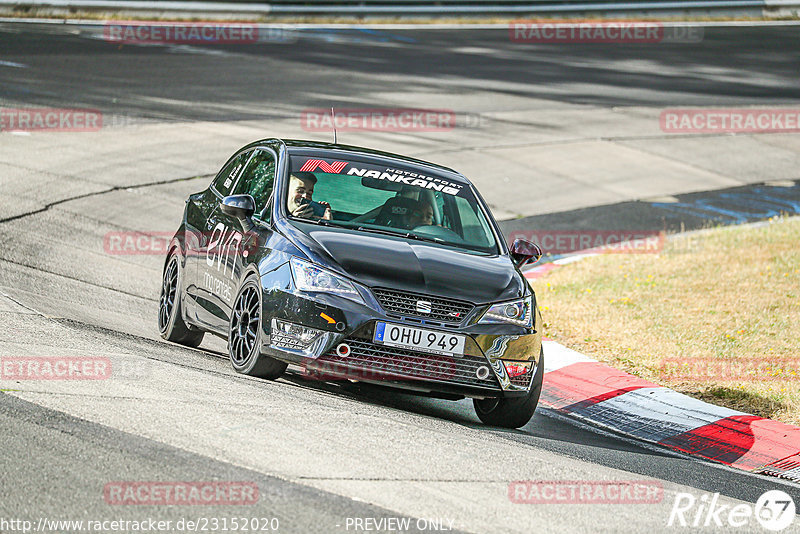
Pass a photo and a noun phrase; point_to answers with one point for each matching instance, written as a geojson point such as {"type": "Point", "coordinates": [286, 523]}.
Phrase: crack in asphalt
{"type": "Point", "coordinates": [49, 205]}
{"type": "Point", "coordinates": [207, 354]}
{"type": "Point", "coordinates": [324, 389]}
{"type": "Point", "coordinates": [519, 437]}
{"type": "Point", "coordinates": [18, 303]}
{"type": "Point", "coordinates": [93, 284]}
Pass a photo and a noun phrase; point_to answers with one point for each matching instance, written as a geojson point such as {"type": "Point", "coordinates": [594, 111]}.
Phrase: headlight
{"type": "Point", "coordinates": [516, 312]}
{"type": "Point", "coordinates": [309, 277]}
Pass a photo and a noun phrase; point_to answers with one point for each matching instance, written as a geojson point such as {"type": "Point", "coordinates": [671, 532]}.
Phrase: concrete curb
{"type": "Point", "coordinates": [592, 392]}
{"type": "Point", "coordinates": [595, 393]}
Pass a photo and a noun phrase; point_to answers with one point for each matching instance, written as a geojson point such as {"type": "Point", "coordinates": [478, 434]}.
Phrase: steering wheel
{"type": "Point", "coordinates": [432, 230]}
{"type": "Point", "coordinates": [371, 214]}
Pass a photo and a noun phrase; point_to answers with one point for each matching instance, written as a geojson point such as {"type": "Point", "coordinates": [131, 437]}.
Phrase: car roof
{"type": "Point", "coordinates": [358, 150]}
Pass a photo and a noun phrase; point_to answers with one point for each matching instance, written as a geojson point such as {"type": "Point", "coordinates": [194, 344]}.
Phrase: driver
{"type": "Point", "coordinates": [422, 215]}
{"type": "Point", "coordinates": [301, 191]}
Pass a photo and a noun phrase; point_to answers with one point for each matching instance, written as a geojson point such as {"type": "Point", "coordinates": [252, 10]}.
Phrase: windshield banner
{"type": "Point", "coordinates": [377, 172]}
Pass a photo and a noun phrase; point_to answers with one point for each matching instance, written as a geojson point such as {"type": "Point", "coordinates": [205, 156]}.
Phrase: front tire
{"type": "Point", "coordinates": [171, 325]}
{"type": "Point", "coordinates": [513, 412]}
{"type": "Point", "coordinates": [244, 335]}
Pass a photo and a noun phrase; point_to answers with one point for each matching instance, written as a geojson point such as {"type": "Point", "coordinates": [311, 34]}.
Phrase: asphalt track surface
{"type": "Point", "coordinates": [730, 66]}
{"type": "Point", "coordinates": [320, 453]}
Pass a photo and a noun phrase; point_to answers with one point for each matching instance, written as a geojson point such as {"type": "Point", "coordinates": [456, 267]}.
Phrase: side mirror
{"type": "Point", "coordinates": [524, 252]}
{"type": "Point", "coordinates": [240, 206]}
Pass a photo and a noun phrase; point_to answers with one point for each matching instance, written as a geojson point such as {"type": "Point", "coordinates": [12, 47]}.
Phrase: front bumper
{"type": "Point", "coordinates": [483, 370]}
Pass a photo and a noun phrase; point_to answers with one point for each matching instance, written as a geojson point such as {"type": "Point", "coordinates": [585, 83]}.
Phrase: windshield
{"type": "Point", "coordinates": [371, 197]}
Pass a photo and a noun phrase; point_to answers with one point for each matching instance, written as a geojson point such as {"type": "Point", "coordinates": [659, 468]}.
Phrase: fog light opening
{"type": "Point", "coordinates": [297, 338]}
{"type": "Point", "coordinates": [482, 372]}
{"type": "Point", "coordinates": [517, 369]}
{"type": "Point", "coordinates": [343, 350]}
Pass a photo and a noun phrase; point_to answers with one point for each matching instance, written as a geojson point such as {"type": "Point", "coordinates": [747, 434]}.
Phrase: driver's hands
{"type": "Point", "coordinates": [303, 211]}
{"type": "Point", "coordinates": [306, 212]}
{"type": "Point", "coordinates": [327, 214]}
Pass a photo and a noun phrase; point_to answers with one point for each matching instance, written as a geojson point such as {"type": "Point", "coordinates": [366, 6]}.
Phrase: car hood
{"type": "Point", "coordinates": [386, 261]}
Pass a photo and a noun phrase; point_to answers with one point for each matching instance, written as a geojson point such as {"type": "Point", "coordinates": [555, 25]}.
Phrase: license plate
{"type": "Point", "coordinates": [408, 337]}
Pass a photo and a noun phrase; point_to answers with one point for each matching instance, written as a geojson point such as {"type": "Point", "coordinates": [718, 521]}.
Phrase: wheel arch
{"type": "Point", "coordinates": [250, 270]}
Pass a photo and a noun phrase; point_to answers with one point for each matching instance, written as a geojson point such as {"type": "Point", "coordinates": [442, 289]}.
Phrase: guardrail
{"type": "Point", "coordinates": [410, 7]}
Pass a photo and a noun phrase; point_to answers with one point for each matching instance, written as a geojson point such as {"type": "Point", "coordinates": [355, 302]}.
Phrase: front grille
{"type": "Point", "coordinates": [280, 340]}
{"type": "Point", "coordinates": [370, 361]}
{"type": "Point", "coordinates": [522, 380]}
{"type": "Point", "coordinates": [405, 304]}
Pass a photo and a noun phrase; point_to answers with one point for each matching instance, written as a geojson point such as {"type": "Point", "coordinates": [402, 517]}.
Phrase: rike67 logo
{"type": "Point", "coordinates": [774, 511]}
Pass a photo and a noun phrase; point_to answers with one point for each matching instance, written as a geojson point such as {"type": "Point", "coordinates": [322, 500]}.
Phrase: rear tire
{"type": "Point", "coordinates": [244, 335]}
{"type": "Point", "coordinates": [513, 412]}
{"type": "Point", "coordinates": [171, 325]}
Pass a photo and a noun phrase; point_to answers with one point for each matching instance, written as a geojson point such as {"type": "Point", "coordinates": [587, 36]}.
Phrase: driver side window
{"type": "Point", "coordinates": [258, 179]}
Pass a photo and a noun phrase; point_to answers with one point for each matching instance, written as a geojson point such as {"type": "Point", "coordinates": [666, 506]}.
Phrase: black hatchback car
{"type": "Point", "coordinates": [357, 265]}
